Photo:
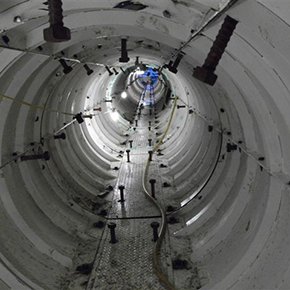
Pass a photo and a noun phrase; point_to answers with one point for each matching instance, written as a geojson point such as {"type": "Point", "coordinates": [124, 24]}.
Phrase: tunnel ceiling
{"type": "Point", "coordinates": [223, 166]}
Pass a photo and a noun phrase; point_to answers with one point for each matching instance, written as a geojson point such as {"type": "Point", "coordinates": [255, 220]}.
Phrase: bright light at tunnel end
{"type": "Point", "coordinates": [115, 116]}
{"type": "Point", "coordinates": [140, 72]}
{"type": "Point", "coordinates": [124, 95]}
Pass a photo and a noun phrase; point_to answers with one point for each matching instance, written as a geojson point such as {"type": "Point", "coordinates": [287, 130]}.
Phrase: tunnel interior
{"type": "Point", "coordinates": [78, 123]}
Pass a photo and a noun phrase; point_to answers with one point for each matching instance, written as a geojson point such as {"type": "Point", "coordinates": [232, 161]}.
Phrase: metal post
{"type": "Point", "coordinates": [88, 69]}
{"type": "Point", "coordinates": [152, 182]}
{"type": "Point", "coordinates": [112, 227]}
{"type": "Point", "coordinates": [128, 155]}
{"type": "Point", "coordinates": [121, 188]}
{"type": "Point", "coordinates": [115, 71]}
{"type": "Point", "coordinates": [108, 70]}
{"type": "Point", "coordinates": [155, 226]}
{"type": "Point", "coordinates": [180, 106]}
{"type": "Point", "coordinates": [66, 68]}
{"type": "Point", "coordinates": [56, 32]}
{"type": "Point", "coordinates": [124, 53]}
{"type": "Point", "coordinates": [45, 156]}
{"type": "Point", "coordinates": [173, 66]}
{"type": "Point", "coordinates": [150, 155]}
{"type": "Point", "coordinates": [206, 72]}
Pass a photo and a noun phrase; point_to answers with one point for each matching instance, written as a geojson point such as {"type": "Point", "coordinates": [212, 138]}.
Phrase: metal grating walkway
{"type": "Point", "coordinates": [127, 264]}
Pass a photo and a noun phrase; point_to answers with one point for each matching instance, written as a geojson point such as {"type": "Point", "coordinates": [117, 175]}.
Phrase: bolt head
{"type": "Point", "coordinates": [67, 70]}
{"type": "Point", "coordinates": [111, 225]}
{"type": "Point", "coordinates": [155, 225]}
{"type": "Point", "coordinates": [126, 59]}
{"type": "Point", "coordinates": [46, 155]}
{"type": "Point", "coordinates": [89, 72]}
{"type": "Point", "coordinates": [173, 69]}
{"type": "Point", "coordinates": [56, 34]}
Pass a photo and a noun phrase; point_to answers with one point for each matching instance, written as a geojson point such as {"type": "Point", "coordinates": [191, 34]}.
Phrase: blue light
{"type": "Point", "coordinates": [150, 73]}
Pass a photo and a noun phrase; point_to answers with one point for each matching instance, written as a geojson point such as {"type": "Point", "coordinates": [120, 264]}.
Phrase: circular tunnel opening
{"type": "Point", "coordinates": [221, 170]}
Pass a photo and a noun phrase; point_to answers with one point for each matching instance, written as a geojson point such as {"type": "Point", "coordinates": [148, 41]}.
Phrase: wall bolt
{"type": "Point", "coordinates": [180, 106]}
{"type": "Point", "coordinates": [79, 118]}
{"type": "Point", "coordinates": [124, 53]}
{"type": "Point", "coordinates": [108, 70]}
{"type": "Point", "coordinates": [165, 184]}
{"type": "Point", "coordinates": [173, 66]}
{"type": "Point", "coordinates": [115, 71]}
{"type": "Point", "coordinates": [60, 136]}
{"type": "Point", "coordinates": [162, 165]}
{"type": "Point", "coordinates": [66, 68]}
{"type": "Point", "coordinates": [206, 72]}
{"type": "Point", "coordinates": [170, 208]}
{"type": "Point", "coordinates": [45, 156]}
{"type": "Point", "coordinates": [56, 32]}
{"type": "Point", "coordinates": [88, 69]}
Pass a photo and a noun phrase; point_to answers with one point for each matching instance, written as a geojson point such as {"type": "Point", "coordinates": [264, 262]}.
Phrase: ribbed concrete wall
{"type": "Point", "coordinates": [237, 223]}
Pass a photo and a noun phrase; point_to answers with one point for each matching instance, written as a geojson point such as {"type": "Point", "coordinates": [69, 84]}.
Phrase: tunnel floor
{"type": "Point", "coordinates": [128, 263]}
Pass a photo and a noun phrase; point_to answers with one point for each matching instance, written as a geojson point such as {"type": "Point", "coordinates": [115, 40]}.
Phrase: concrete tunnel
{"type": "Point", "coordinates": [221, 170]}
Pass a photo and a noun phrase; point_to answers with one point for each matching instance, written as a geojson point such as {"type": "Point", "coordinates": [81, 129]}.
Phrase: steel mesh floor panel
{"type": "Point", "coordinates": [125, 265]}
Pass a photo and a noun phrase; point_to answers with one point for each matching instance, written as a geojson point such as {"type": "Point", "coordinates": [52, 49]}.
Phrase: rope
{"type": "Point", "coordinates": [35, 106]}
{"type": "Point", "coordinates": [157, 246]}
